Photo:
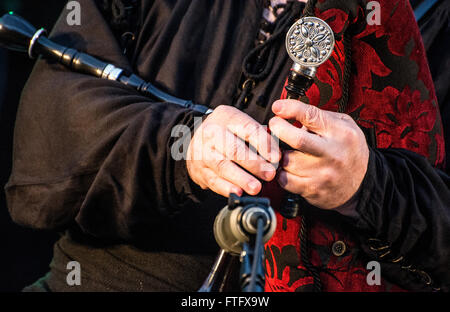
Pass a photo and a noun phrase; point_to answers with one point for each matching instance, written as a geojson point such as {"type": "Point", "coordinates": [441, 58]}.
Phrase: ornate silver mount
{"type": "Point", "coordinates": [309, 43]}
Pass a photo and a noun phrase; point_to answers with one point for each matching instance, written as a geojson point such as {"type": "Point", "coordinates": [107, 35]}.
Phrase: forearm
{"type": "Point", "coordinates": [93, 149]}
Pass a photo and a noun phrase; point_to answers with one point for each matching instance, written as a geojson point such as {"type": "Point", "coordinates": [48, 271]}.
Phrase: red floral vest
{"type": "Point", "coordinates": [390, 91]}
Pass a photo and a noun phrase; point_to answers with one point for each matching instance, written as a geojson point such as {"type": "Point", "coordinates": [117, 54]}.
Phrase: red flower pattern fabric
{"type": "Point", "coordinates": [391, 91]}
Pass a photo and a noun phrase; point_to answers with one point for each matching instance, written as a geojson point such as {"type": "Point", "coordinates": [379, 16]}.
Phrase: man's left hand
{"type": "Point", "coordinates": [330, 156]}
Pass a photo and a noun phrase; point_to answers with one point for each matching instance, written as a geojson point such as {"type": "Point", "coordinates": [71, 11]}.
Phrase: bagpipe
{"type": "Point", "coordinates": [243, 227]}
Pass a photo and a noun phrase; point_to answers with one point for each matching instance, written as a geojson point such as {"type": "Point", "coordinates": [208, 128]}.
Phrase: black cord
{"type": "Point", "coordinates": [257, 64]}
{"type": "Point", "coordinates": [259, 61]}
{"type": "Point", "coordinates": [343, 103]}
{"type": "Point", "coordinates": [309, 9]}
{"type": "Point", "coordinates": [258, 53]}
{"type": "Point", "coordinates": [305, 254]}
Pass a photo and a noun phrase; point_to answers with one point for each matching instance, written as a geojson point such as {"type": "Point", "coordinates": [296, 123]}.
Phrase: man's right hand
{"type": "Point", "coordinates": [218, 153]}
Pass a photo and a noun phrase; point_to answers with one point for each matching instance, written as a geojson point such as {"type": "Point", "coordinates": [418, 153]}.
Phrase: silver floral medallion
{"type": "Point", "coordinates": [310, 41]}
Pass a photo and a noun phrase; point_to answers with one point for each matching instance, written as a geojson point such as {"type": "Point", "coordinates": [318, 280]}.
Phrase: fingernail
{"type": "Point", "coordinates": [269, 173]}
{"type": "Point", "coordinates": [254, 186]}
{"type": "Point", "coordinates": [277, 107]}
{"type": "Point", "coordinates": [236, 191]}
{"type": "Point", "coordinates": [285, 162]}
{"type": "Point", "coordinates": [282, 179]}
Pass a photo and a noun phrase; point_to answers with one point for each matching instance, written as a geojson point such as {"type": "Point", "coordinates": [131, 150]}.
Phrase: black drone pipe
{"type": "Point", "coordinates": [309, 43]}
{"type": "Point", "coordinates": [19, 35]}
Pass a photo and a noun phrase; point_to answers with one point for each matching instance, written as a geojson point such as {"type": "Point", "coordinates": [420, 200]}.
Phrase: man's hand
{"type": "Point", "coordinates": [218, 154]}
{"type": "Point", "coordinates": [330, 155]}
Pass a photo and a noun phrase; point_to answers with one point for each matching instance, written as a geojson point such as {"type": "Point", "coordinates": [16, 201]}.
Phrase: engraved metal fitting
{"type": "Point", "coordinates": [309, 43]}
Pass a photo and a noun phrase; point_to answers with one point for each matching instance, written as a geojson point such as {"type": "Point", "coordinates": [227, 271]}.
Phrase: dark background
{"type": "Point", "coordinates": [24, 253]}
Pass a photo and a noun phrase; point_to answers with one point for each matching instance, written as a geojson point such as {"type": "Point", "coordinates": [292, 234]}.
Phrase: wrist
{"type": "Point", "coordinates": [348, 209]}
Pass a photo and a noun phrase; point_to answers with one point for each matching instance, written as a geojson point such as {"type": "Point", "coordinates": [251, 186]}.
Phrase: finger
{"type": "Point", "coordinates": [299, 164]}
{"type": "Point", "coordinates": [254, 133]}
{"type": "Point", "coordinates": [231, 172]}
{"type": "Point", "coordinates": [298, 138]}
{"type": "Point", "coordinates": [219, 185]}
{"type": "Point", "coordinates": [313, 118]}
{"type": "Point", "coordinates": [295, 184]}
{"type": "Point", "coordinates": [233, 148]}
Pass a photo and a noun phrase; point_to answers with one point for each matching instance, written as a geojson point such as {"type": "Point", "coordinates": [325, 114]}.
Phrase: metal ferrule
{"type": "Point", "coordinates": [309, 71]}
{"type": "Point", "coordinates": [111, 72]}
{"type": "Point", "coordinates": [33, 41]}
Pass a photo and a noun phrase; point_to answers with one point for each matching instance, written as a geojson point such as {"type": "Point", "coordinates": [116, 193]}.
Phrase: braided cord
{"type": "Point", "coordinates": [305, 254]}
{"type": "Point", "coordinates": [343, 103]}
{"type": "Point", "coordinates": [309, 9]}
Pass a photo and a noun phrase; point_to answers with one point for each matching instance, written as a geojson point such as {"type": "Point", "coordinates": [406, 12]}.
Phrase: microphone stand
{"type": "Point", "coordinates": [241, 229]}
{"type": "Point", "coordinates": [221, 275]}
{"type": "Point", "coordinates": [252, 267]}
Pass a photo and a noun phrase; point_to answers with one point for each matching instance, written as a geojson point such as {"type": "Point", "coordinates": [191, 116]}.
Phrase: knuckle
{"type": "Point", "coordinates": [221, 166]}
{"type": "Point", "coordinates": [226, 111]}
{"type": "Point", "coordinates": [312, 190]}
{"type": "Point", "coordinates": [300, 142]}
{"type": "Point", "coordinates": [328, 178]}
{"type": "Point", "coordinates": [339, 161]}
{"type": "Point", "coordinates": [221, 109]}
{"type": "Point", "coordinates": [320, 195]}
{"type": "Point", "coordinates": [351, 133]}
{"type": "Point", "coordinates": [345, 117]}
{"type": "Point", "coordinates": [208, 130]}
{"type": "Point", "coordinates": [232, 150]}
{"type": "Point", "coordinates": [350, 130]}
{"type": "Point", "coordinates": [194, 176]}
{"type": "Point", "coordinates": [204, 186]}
{"type": "Point", "coordinates": [312, 114]}
{"type": "Point", "coordinates": [211, 183]}
{"type": "Point", "coordinates": [235, 151]}
{"type": "Point", "coordinates": [250, 129]}
{"type": "Point", "coordinates": [199, 177]}
{"type": "Point", "coordinates": [224, 114]}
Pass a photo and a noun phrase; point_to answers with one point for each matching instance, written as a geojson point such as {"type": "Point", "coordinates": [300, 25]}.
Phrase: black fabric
{"type": "Point", "coordinates": [92, 157]}
{"type": "Point", "coordinates": [405, 203]}
{"type": "Point", "coordinates": [123, 268]}
{"type": "Point", "coordinates": [3, 71]}
{"type": "Point", "coordinates": [97, 152]}
{"type": "Point", "coordinates": [435, 30]}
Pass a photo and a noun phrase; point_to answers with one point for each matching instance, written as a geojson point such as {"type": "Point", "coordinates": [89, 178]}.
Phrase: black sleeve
{"type": "Point", "coordinates": [404, 219]}
{"type": "Point", "coordinates": [94, 150]}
